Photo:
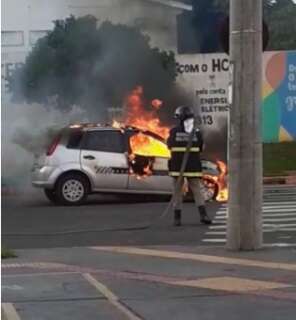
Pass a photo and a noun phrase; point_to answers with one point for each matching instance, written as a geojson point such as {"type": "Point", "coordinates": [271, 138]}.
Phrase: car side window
{"type": "Point", "coordinates": [106, 141]}
{"type": "Point", "coordinates": [74, 140]}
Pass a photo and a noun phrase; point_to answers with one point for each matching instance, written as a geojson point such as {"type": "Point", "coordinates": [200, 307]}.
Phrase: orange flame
{"type": "Point", "coordinates": [139, 117]}
{"type": "Point", "coordinates": [144, 145]}
{"type": "Point", "coordinates": [223, 190]}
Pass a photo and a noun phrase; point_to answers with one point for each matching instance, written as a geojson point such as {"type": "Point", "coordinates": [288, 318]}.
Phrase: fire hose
{"type": "Point", "coordinates": [178, 186]}
{"type": "Point", "coordinates": [176, 192]}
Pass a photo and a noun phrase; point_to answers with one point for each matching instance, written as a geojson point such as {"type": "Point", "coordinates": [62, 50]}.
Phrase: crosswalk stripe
{"type": "Point", "coordinates": [223, 233]}
{"type": "Point", "coordinates": [268, 215]}
{"type": "Point", "coordinates": [276, 205]}
{"type": "Point", "coordinates": [214, 240]}
{"type": "Point", "coordinates": [278, 200]}
{"type": "Point", "coordinates": [293, 210]}
{"type": "Point", "coordinates": [219, 219]}
{"type": "Point", "coordinates": [271, 204]}
{"type": "Point", "coordinates": [278, 215]}
{"type": "Point", "coordinates": [223, 225]}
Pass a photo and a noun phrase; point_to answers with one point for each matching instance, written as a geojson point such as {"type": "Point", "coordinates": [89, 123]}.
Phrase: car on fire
{"type": "Point", "coordinates": [88, 158]}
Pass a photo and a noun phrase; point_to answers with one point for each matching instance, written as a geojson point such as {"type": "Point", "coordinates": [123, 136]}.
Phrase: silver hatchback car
{"type": "Point", "coordinates": [86, 159]}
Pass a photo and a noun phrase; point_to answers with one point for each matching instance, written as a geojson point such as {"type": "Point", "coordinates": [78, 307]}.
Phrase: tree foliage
{"type": "Point", "coordinates": [281, 19]}
{"type": "Point", "coordinates": [80, 63]}
{"type": "Point", "coordinates": [280, 16]}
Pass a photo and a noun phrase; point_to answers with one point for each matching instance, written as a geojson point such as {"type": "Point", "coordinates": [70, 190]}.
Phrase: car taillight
{"type": "Point", "coordinates": [51, 148]}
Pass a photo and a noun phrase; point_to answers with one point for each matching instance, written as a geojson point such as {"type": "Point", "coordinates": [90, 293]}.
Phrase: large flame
{"type": "Point", "coordinates": [145, 145]}
{"type": "Point", "coordinates": [222, 183]}
{"type": "Point", "coordinates": [138, 116]}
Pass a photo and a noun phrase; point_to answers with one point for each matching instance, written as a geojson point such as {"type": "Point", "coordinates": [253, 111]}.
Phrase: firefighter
{"type": "Point", "coordinates": [177, 143]}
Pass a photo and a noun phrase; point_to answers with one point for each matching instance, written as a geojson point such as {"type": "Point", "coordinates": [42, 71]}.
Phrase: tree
{"type": "Point", "coordinates": [280, 18]}
{"type": "Point", "coordinates": [94, 67]}
{"type": "Point", "coordinates": [208, 17]}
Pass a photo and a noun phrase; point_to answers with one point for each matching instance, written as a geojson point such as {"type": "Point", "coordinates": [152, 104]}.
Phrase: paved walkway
{"type": "Point", "coordinates": [149, 283]}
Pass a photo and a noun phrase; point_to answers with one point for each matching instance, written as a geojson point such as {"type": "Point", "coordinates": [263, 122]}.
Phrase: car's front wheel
{"type": "Point", "coordinates": [72, 189]}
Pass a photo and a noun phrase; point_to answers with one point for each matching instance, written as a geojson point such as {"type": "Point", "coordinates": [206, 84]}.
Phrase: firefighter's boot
{"type": "Point", "coordinates": [177, 218]}
{"type": "Point", "coordinates": [204, 218]}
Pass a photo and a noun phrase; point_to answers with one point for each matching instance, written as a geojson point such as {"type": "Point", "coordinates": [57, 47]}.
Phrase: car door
{"type": "Point", "coordinates": [158, 181]}
{"type": "Point", "coordinates": [104, 160]}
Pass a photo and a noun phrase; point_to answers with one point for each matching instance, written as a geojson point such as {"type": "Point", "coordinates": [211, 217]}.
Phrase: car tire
{"type": "Point", "coordinates": [51, 195]}
{"type": "Point", "coordinates": [72, 189]}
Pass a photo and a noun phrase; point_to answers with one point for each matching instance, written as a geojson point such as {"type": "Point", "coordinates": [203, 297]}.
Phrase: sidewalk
{"type": "Point", "coordinates": [150, 283]}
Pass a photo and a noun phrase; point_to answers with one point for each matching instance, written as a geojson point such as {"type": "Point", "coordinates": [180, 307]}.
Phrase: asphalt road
{"type": "Point", "coordinates": [30, 221]}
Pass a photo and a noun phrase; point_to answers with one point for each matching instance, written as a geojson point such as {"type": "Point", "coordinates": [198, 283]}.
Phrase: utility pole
{"type": "Point", "coordinates": [244, 226]}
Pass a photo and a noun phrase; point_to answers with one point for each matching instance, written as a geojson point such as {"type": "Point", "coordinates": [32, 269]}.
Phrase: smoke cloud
{"type": "Point", "coordinates": [26, 132]}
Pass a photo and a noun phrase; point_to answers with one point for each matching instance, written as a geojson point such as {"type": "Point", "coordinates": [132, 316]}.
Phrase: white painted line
{"type": "Point", "coordinates": [288, 225]}
{"type": "Point", "coordinates": [273, 209]}
{"type": "Point", "coordinates": [214, 240]}
{"type": "Point", "coordinates": [220, 219]}
{"type": "Point", "coordinates": [9, 312]}
{"type": "Point", "coordinates": [270, 230]}
{"type": "Point", "coordinates": [279, 214]}
{"type": "Point", "coordinates": [281, 225]}
{"type": "Point", "coordinates": [217, 227]}
{"type": "Point", "coordinates": [281, 245]}
{"type": "Point", "coordinates": [279, 195]}
{"type": "Point", "coordinates": [278, 219]}
{"type": "Point", "coordinates": [277, 201]}
{"type": "Point", "coordinates": [272, 215]}
{"type": "Point", "coordinates": [270, 203]}
{"type": "Point", "coordinates": [112, 298]}
{"type": "Point", "coordinates": [13, 287]}
{"type": "Point", "coordinates": [287, 206]}
{"type": "Point", "coordinates": [293, 210]}
{"type": "Point", "coordinates": [216, 233]}
{"type": "Point", "coordinates": [286, 229]}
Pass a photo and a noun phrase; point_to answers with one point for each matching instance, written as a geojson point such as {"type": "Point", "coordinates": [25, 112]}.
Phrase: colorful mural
{"type": "Point", "coordinates": [279, 96]}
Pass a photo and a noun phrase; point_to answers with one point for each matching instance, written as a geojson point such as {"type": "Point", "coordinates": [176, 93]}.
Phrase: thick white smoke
{"type": "Point", "coordinates": [26, 131]}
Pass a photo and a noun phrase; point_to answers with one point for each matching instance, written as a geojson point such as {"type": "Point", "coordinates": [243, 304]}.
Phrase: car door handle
{"type": "Point", "coordinates": [89, 157]}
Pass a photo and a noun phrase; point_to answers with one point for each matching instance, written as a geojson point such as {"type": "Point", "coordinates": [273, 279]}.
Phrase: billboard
{"type": "Point", "coordinates": [207, 75]}
{"type": "Point", "coordinates": [279, 96]}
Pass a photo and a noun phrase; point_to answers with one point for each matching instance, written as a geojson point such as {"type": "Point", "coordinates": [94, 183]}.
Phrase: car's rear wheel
{"type": "Point", "coordinates": [72, 189]}
{"type": "Point", "coordinates": [51, 195]}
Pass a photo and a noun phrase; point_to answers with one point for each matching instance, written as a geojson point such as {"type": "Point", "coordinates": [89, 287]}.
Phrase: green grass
{"type": "Point", "coordinates": [279, 158]}
{"type": "Point", "coordinates": [7, 253]}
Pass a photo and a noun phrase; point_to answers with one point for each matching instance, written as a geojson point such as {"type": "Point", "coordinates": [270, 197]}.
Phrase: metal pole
{"type": "Point", "coordinates": [244, 226]}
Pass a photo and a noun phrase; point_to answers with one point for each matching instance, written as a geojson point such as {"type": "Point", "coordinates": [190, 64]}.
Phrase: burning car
{"type": "Point", "coordinates": [89, 158]}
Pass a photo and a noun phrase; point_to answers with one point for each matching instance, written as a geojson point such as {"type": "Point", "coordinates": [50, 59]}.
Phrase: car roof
{"type": "Point", "coordinates": [123, 128]}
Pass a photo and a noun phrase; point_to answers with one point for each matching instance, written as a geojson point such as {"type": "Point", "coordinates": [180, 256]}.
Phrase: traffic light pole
{"type": "Point", "coordinates": [244, 226]}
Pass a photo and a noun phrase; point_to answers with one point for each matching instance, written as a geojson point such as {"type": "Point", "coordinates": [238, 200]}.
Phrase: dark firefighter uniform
{"type": "Point", "coordinates": [177, 143]}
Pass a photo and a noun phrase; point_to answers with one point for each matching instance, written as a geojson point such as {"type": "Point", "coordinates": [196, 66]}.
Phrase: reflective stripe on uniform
{"type": "Point", "coordinates": [185, 174]}
{"type": "Point", "coordinates": [182, 149]}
